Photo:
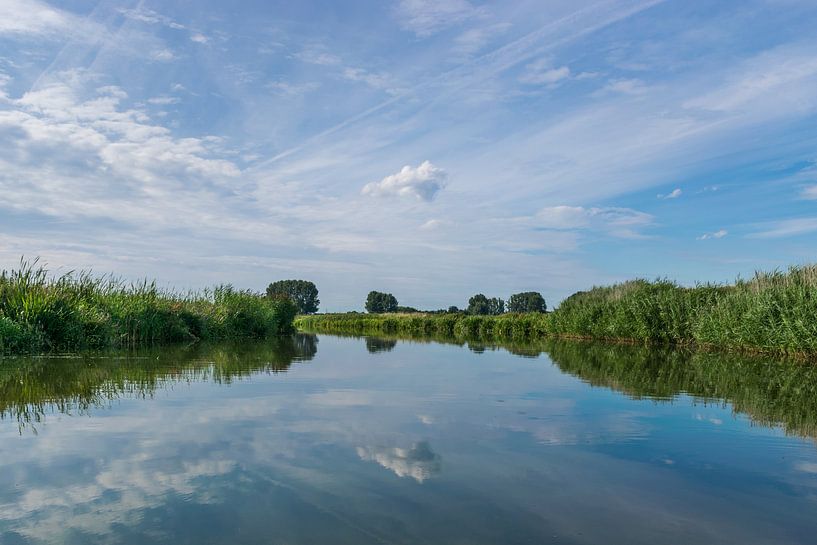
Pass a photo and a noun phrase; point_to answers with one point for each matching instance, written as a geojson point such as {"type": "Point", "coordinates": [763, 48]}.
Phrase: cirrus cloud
{"type": "Point", "coordinates": [615, 221]}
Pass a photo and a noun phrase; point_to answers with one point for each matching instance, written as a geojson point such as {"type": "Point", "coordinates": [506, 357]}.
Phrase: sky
{"type": "Point", "coordinates": [431, 149]}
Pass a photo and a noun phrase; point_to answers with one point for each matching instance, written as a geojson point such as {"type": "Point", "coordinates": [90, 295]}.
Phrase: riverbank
{"type": "Point", "coordinates": [772, 313]}
{"type": "Point", "coordinates": [40, 313]}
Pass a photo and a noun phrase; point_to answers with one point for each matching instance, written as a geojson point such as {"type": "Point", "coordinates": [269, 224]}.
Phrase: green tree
{"type": "Point", "coordinates": [478, 304]}
{"type": "Point", "coordinates": [377, 302]}
{"type": "Point", "coordinates": [302, 292]}
{"type": "Point", "coordinates": [527, 301]}
{"type": "Point", "coordinates": [481, 305]}
{"type": "Point", "coordinates": [496, 306]}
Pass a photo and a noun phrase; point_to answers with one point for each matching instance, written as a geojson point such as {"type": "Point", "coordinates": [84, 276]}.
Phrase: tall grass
{"type": "Point", "coordinates": [39, 312]}
{"type": "Point", "coordinates": [771, 312]}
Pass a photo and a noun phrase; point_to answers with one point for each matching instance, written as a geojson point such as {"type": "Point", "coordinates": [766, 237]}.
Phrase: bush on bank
{"type": "Point", "coordinates": [77, 311]}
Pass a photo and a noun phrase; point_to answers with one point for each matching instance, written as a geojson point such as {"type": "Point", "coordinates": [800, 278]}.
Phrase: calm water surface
{"type": "Point", "coordinates": [342, 440]}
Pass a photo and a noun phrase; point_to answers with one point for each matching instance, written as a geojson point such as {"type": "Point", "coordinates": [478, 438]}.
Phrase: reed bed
{"type": "Point", "coordinates": [771, 312]}
{"type": "Point", "coordinates": [75, 311]}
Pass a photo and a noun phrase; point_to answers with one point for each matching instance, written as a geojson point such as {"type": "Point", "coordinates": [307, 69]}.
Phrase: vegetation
{"type": "Point", "coordinates": [378, 302]}
{"type": "Point", "coordinates": [31, 387]}
{"type": "Point", "coordinates": [779, 392]}
{"type": "Point", "coordinates": [528, 301]}
{"type": "Point", "coordinates": [302, 292]}
{"type": "Point", "coordinates": [771, 312]}
{"type": "Point", "coordinates": [482, 306]}
{"type": "Point", "coordinates": [40, 313]}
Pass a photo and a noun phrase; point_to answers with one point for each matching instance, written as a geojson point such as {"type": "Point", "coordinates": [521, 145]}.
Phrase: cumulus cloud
{"type": "Point", "coordinates": [717, 234]}
{"type": "Point", "coordinates": [30, 17]}
{"type": "Point", "coordinates": [418, 462]}
{"type": "Point", "coordinates": [422, 182]}
{"type": "Point", "coordinates": [427, 17]}
{"type": "Point", "coordinates": [619, 222]}
{"type": "Point", "coordinates": [674, 194]}
{"type": "Point", "coordinates": [85, 155]}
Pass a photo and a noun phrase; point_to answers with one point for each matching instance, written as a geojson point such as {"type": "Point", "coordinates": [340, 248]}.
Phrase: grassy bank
{"type": "Point", "coordinates": [771, 312]}
{"type": "Point", "coordinates": [40, 313]}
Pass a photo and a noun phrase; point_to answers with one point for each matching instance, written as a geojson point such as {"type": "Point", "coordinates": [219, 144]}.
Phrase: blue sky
{"type": "Point", "coordinates": [433, 149]}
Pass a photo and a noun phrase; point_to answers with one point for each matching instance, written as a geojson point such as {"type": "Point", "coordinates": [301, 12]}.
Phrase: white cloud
{"type": "Point", "coordinates": [148, 16]}
{"type": "Point", "coordinates": [809, 193]}
{"type": "Point", "coordinates": [96, 159]}
{"type": "Point", "coordinates": [286, 88]}
{"type": "Point", "coordinates": [779, 78]}
{"type": "Point", "coordinates": [787, 228]}
{"type": "Point", "coordinates": [717, 234]}
{"type": "Point", "coordinates": [163, 100]}
{"type": "Point", "coordinates": [632, 87]}
{"type": "Point", "coordinates": [674, 194]}
{"type": "Point", "coordinates": [30, 17]}
{"type": "Point", "coordinates": [432, 224]}
{"type": "Point", "coordinates": [418, 462]}
{"type": "Point", "coordinates": [375, 80]}
{"type": "Point", "coordinates": [619, 222]}
{"type": "Point", "coordinates": [474, 39]}
{"type": "Point", "coordinates": [542, 72]}
{"type": "Point", "coordinates": [423, 183]}
{"type": "Point", "coordinates": [163, 55]}
{"type": "Point", "coordinates": [199, 38]}
{"type": "Point", "coordinates": [317, 55]}
{"type": "Point", "coordinates": [427, 17]}
{"type": "Point", "coordinates": [806, 467]}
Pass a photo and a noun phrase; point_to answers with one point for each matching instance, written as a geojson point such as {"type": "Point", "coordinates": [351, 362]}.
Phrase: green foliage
{"type": "Point", "coordinates": [459, 326]}
{"type": "Point", "coordinates": [528, 301]}
{"type": "Point", "coordinates": [772, 312]}
{"type": "Point", "coordinates": [77, 311]}
{"type": "Point", "coordinates": [302, 292]}
{"type": "Point", "coordinates": [32, 387]}
{"type": "Point", "coordinates": [482, 306]}
{"type": "Point", "coordinates": [377, 302]}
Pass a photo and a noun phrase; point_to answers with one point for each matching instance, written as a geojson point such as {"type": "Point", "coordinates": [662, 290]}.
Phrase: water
{"type": "Point", "coordinates": [344, 440]}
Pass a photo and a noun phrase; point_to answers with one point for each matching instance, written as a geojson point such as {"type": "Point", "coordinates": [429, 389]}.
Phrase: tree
{"type": "Point", "coordinates": [478, 304]}
{"type": "Point", "coordinates": [527, 301]}
{"type": "Point", "coordinates": [302, 292]}
{"type": "Point", "coordinates": [380, 302]}
{"type": "Point", "coordinates": [481, 305]}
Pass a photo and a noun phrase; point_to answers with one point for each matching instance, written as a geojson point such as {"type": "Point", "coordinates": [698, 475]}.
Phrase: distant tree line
{"type": "Point", "coordinates": [528, 301]}
{"type": "Point", "coordinates": [305, 296]}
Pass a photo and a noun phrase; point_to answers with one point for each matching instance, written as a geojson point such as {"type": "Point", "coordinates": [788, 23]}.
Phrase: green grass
{"type": "Point", "coordinates": [771, 312]}
{"type": "Point", "coordinates": [41, 313]}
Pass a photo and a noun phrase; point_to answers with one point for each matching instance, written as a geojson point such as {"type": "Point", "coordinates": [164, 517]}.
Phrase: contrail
{"type": "Point", "coordinates": [494, 61]}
